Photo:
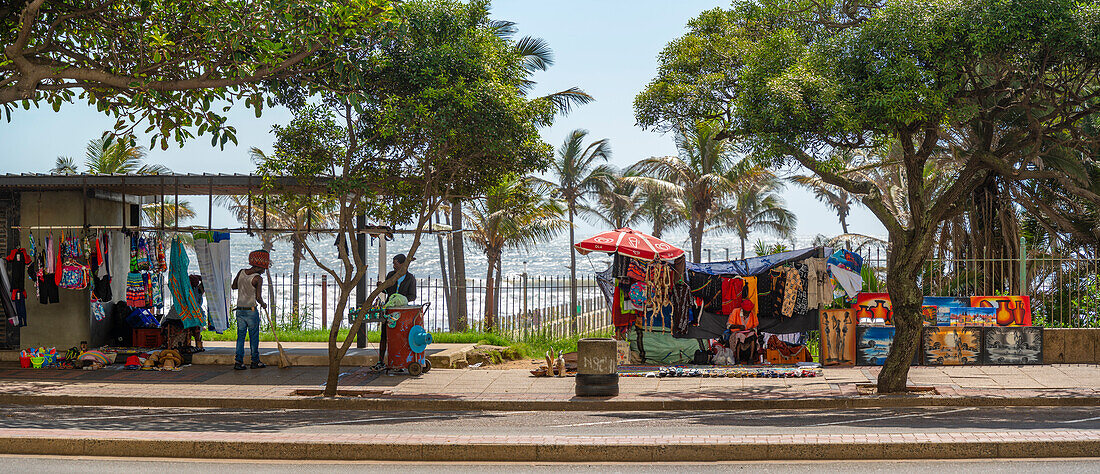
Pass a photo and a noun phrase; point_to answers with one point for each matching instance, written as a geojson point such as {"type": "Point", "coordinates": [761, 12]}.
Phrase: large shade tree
{"type": "Point", "coordinates": [803, 80]}
{"type": "Point", "coordinates": [172, 65]}
{"type": "Point", "coordinates": [440, 110]}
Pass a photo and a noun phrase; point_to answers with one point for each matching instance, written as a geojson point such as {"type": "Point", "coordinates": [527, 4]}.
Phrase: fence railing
{"type": "Point", "coordinates": [525, 306]}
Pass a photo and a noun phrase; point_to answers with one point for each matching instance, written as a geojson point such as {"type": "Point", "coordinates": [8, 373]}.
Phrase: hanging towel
{"type": "Point", "coordinates": [184, 302]}
{"type": "Point", "coordinates": [212, 252]}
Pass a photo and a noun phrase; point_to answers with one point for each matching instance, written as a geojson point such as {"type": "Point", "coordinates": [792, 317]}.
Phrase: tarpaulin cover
{"type": "Point", "coordinates": [753, 266]}
{"type": "Point", "coordinates": [662, 348]}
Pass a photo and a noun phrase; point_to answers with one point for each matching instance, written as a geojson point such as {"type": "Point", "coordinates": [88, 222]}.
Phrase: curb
{"type": "Point", "coordinates": [576, 404]}
{"type": "Point", "coordinates": [592, 450]}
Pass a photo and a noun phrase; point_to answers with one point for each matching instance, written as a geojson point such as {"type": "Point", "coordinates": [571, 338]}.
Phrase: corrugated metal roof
{"type": "Point", "coordinates": [156, 185]}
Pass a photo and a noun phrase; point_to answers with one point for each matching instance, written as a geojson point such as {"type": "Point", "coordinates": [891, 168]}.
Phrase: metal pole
{"type": "Point", "coordinates": [324, 301]}
{"type": "Point", "coordinates": [361, 288]}
{"type": "Point", "coordinates": [1022, 289]}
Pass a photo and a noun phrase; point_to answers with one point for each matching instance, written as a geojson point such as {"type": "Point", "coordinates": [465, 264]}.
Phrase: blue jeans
{"type": "Point", "coordinates": [248, 320]}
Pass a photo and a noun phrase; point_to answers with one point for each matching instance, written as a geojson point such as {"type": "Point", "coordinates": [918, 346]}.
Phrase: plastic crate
{"type": "Point", "coordinates": [150, 338]}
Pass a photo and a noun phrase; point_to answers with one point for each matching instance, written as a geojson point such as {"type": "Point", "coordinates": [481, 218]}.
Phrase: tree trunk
{"type": "Point", "coordinates": [844, 224]}
{"type": "Point", "coordinates": [296, 244]}
{"type": "Point", "coordinates": [902, 265]}
{"type": "Point", "coordinates": [333, 380]}
{"type": "Point", "coordinates": [572, 274]}
{"type": "Point", "coordinates": [490, 297]}
{"type": "Point", "coordinates": [742, 247]}
{"type": "Point", "coordinates": [459, 254]}
{"type": "Point", "coordinates": [697, 240]}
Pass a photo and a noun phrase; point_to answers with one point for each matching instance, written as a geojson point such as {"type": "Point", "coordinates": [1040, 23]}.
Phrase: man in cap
{"type": "Point", "coordinates": [248, 284]}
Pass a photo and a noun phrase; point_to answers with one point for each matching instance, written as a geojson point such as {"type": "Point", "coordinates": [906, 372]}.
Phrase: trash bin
{"type": "Point", "coordinates": [407, 341]}
{"type": "Point", "coordinates": [597, 368]}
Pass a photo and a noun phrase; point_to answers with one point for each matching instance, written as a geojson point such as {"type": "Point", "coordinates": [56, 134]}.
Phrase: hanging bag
{"type": "Point", "coordinates": [74, 275]}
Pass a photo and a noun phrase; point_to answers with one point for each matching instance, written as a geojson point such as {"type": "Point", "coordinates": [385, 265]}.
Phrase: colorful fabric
{"type": "Point", "coordinates": [184, 302]}
{"type": "Point", "coordinates": [135, 290]}
{"type": "Point", "coordinates": [636, 270]}
{"type": "Point", "coordinates": [97, 356]}
{"type": "Point", "coordinates": [752, 300]}
{"type": "Point", "coordinates": [259, 258]}
{"type": "Point", "coordinates": [846, 260]}
{"type": "Point", "coordinates": [731, 293]}
{"type": "Point", "coordinates": [637, 293]}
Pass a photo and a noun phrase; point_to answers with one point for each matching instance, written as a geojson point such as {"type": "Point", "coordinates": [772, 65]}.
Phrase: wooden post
{"type": "Point", "coordinates": [324, 301]}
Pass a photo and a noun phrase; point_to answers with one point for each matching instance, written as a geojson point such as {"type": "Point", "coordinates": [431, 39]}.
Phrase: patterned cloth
{"type": "Point", "coordinates": [184, 302]}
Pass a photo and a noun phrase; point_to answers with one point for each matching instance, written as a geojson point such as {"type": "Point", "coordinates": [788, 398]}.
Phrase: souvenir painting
{"type": "Point", "coordinates": [972, 316]}
{"type": "Point", "coordinates": [1010, 310]}
{"type": "Point", "coordinates": [952, 345]}
{"type": "Point", "coordinates": [1013, 346]}
{"type": "Point", "coordinates": [873, 345]}
{"type": "Point", "coordinates": [873, 308]}
{"type": "Point", "coordinates": [928, 315]}
{"type": "Point", "coordinates": [838, 337]}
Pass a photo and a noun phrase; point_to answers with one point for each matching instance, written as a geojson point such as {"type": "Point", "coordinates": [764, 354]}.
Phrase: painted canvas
{"type": "Point", "coordinates": [1010, 310]}
{"type": "Point", "coordinates": [952, 345]}
{"type": "Point", "coordinates": [873, 344]}
{"type": "Point", "coordinates": [1013, 346]}
{"type": "Point", "coordinates": [873, 308]}
{"type": "Point", "coordinates": [972, 316]}
{"type": "Point", "coordinates": [928, 315]}
{"type": "Point", "coordinates": [838, 337]}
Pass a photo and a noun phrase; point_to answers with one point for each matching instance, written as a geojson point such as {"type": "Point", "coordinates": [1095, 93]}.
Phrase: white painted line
{"type": "Point", "coordinates": [1082, 420]}
{"type": "Point", "coordinates": [158, 415]}
{"type": "Point", "coordinates": [631, 420]}
{"type": "Point", "coordinates": [406, 418]}
{"type": "Point", "coordinates": [911, 415]}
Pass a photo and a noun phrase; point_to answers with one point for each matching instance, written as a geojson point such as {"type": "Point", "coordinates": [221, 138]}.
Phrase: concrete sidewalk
{"type": "Point", "coordinates": [516, 389]}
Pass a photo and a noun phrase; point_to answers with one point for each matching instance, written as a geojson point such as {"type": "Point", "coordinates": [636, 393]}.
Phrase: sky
{"type": "Point", "coordinates": [608, 48]}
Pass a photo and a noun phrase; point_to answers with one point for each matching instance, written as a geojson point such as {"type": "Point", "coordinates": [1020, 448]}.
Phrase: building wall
{"type": "Point", "coordinates": [68, 322]}
{"type": "Point", "coordinates": [9, 217]}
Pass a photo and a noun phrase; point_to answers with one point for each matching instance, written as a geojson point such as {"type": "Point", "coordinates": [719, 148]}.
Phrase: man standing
{"type": "Point", "coordinates": [248, 284]}
{"type": "Point", "coordinates": [405, 286]}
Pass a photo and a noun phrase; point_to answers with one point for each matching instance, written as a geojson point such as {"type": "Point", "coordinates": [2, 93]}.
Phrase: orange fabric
{"type": "Point", "coordinates": [752, 297]}
{"type": "Point", "coordinates": [735, 318]}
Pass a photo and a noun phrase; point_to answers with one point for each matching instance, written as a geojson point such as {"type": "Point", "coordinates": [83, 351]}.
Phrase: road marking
{"type": "Point", "coordinates": [340, 422]}
{"type": "Point", "coordinates": [631, 420]}
{"type": "Point", "coordinates": [1082, 420]}
{"type": "Point", "coordinates": [911, 415]}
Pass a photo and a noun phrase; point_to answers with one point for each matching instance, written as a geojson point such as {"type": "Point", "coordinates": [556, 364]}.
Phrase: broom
{"type": "Point", "coordinates": [283, 361]}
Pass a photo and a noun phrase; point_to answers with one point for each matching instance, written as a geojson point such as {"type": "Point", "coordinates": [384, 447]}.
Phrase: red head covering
{"type": "Point", "coordinates": [259, 258]}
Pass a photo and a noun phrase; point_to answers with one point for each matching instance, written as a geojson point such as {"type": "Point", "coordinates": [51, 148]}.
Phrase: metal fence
{"type": "Point", "coordinates": [1064, 291]}
{"type": "Point", "coordinates": [525, 306]}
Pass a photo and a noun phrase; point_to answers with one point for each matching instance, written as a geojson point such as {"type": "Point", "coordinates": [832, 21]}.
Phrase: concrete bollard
{"type": "Point", "coordinates": [597, 367]}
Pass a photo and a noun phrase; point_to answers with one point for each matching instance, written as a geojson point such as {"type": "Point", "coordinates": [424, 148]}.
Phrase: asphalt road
{"type": "Point", "coordinates": [871, 420]}
{"type": "Point", "coordinates": [22, 464]}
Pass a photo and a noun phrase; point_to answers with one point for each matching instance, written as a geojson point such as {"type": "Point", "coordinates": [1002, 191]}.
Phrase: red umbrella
{"type": "Point", "coordinates": [629, 242]}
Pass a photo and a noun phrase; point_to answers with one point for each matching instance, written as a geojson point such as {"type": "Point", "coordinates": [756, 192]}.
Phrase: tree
{"type": "Point", "coordinates": [513, 214]}
{"type": "Point", "coordinates": [618, 200]}
{"type": "Point", "coordinates": [660, 207]}
{"type": "Point", "coordinates": [804, 82]}
{"type": "Point", "coordinates": [438, 112]}
{"type": "Point", "coordinates": [702, 176]}
{"type": "Point", "coordinates": [111, 155]}
{"type": "Point", "coordinates": [758, 208]}
{"type": "Point", "coordinates": [834, 197]}
{"type": "Point", "coordinates": [576, 174]}
{"type": "Point", "coordinates": [64, 165]}
{"type": "Point", "coordinates": [169, 61]}
{"type": "Point", "coordinates": [167, 214]}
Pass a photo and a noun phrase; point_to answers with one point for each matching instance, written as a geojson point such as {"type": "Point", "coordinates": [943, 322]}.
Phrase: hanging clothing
{"type": "Point", "coordinates": [750, 303]}
{"type": "Point", "coordinates": [792, 284]}
{"type": "Point", "coordinates": [212, 253]}
{"type": "Point", "coordinates": [707, 288]}
{"type": "Point", "coordinates": [731, 293]}
{"type": "Point", "coordinates": [850, 281]}
{"type": "Point", "coordinates": [681, 308]}
{"type": "Point", "coordinates": [801, 300]}
{"type": "Point", "coordinates": [184, 302]}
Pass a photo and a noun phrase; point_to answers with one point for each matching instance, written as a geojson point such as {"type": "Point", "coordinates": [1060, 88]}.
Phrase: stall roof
{"type": "Point", "coordinates": [156, 185]}
{"type": "Point", "coordinates": [756, 265]}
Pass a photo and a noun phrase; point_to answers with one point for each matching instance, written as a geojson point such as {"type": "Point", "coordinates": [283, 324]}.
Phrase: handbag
{"type": "Point", "coordinates": [97, 311]}
{"type": "Point", "coordinates": [74, 275]}
{"type": "Point", "coordinates": [135, 290]}
{"type": "Point", "coordinates": [636, 270]}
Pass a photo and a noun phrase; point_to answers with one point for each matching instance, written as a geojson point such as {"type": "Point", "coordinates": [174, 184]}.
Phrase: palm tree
{"type": "Point", "coordinates": [618, 201]}
{"type": "Point", "coordinates": [661, 207]}
{"type": "Point", "coordinates": [298, 213]}
{"type": "Point", "coordinates": [64, 165]}
{"type": "Point", "coordinates": [833, 197]}
{"type": "Point", "coordinates": [111, 155]}
{"type": "Point", "coordinates": [513, 214]}
{"type": "Point", "coordinates": [576, 175]}
{"type": "Point", "coordinates": [758, 208]}
{"type": "Point", "coordinates": [172, 215]}
{"type": "Point", "coordinates": [701, 176]}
